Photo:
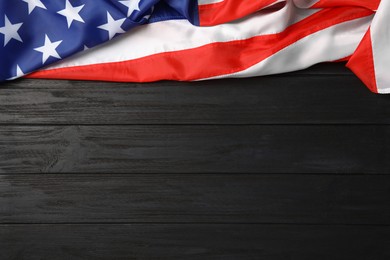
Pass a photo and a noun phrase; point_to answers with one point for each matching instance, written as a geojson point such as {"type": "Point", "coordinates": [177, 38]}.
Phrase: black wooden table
{"type": "Point", "coordinates": [293, 166]}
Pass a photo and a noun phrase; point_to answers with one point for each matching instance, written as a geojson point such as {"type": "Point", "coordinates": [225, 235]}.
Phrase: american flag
{"type": "Point", "coordinates": [150, 40]}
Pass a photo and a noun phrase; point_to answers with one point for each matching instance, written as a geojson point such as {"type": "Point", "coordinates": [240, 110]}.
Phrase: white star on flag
{"type": "Point", "coordinates": [132, 5]}
{"type": "Point", "coordinates": [148, 15]}
{"type": "Point", "coordinates": [49, 49]}
{"type": "Point", "coordinates": [112, 26]}
{"type": "Point", "coordinates": [10, 31]}
{"type": "Point", "coordinates": [71, 13]}
{"type": "Point", "coordinates": [19, 73]}
{"type": "Point", "coordinates": [34, 3]}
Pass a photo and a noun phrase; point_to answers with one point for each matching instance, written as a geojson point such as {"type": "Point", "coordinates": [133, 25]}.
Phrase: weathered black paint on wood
{"type": "Point", "coordinates": [216, 198]}
{"type": "Point", "coordinates": [195, 241]}
{"type": "Point", "coordinates": [288, 99]}
{"type": "Point", "coordinates": [195, 149]}
{"type": "Point", "coordinates": [293, 166]}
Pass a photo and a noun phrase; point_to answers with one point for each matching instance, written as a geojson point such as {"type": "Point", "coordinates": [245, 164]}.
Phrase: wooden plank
{"type": "Point", "coordinates": [216, 198]}
{"type": "Point", "coordinates": [190, 241]}
{"type": "Point", "coordinates": [288, 99]}
{"type": "Point", "coordinates": [195, 149]}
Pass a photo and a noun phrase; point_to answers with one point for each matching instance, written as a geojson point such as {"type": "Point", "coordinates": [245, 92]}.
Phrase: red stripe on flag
{"type": "Point", "coordinates": [229, 10]}
{"type": "Point", "coordinates": [370, 4]}
{"type": "Point", "coordinates": [210, 60]}
{"type": "Point", "coordinates": [362, 63]}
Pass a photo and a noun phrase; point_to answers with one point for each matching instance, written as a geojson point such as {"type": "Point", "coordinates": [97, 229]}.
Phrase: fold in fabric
{"type": "Point", "coordinates": [197, 40]}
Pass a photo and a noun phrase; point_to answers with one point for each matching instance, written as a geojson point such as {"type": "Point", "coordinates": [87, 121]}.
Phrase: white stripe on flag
{"type": "Point", "coordinates": [315, 48]}
{"type": "Point", "coordinates": [305, 3]}
{"type": "Point", "coordinates": [206, 2]}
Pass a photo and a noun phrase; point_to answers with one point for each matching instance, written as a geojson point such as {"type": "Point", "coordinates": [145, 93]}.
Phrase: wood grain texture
{"type": "Point", "coordinates": [293, 166]}
{"type": "Point", "coordinates": [316, 98]}
{"type": "Point", "coordinates": [195, 149]}
{"type": "Point", "coordinates": [215, 198]}
{"type": "Point", "coordinates": [212, 241]}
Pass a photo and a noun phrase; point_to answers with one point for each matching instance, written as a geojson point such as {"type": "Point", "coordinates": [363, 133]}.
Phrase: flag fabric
{"type": "Point", "coordinates": [151, 40]}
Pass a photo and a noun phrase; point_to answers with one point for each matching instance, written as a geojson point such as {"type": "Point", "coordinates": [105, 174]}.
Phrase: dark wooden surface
{"type": "Point", "coordinates": [294, 166]}
{"type": "Point", "coordinates": [196, 149]}
{"type": "Point", "coordinates": [194, 241]}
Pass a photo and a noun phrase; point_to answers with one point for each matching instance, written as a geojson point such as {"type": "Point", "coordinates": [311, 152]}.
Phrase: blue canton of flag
{"type": "Point", "coordinates": [36, 33]}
